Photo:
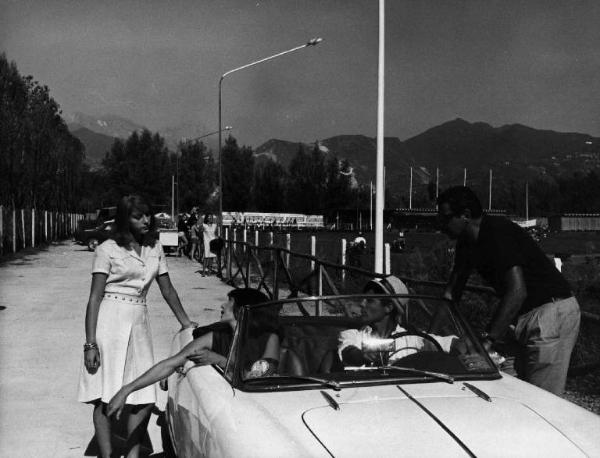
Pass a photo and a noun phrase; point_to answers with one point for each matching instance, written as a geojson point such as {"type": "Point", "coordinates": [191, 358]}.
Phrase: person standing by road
{"type": "Point", "coordinates": [118, 345]}
{"type": "Point", "coordinates": [209, 233]}
{"type": "Point", "coordinates": [535, 297]}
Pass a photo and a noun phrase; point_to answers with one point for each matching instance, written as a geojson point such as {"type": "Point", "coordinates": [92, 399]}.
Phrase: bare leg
{"type": "Point", "coordinates": [102, 427]}
{"type": "Point", "coordinates": [137, 422]}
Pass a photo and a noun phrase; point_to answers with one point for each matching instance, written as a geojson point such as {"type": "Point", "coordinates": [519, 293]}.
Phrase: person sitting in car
{"type": "Point", "coordinates": [212, 343]}
{"type": "Point", "coordinates": [383, 317]}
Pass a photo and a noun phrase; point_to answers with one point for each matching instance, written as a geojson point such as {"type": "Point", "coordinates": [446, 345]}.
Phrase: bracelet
{"type": "Point", "coordinates": [90, 346]}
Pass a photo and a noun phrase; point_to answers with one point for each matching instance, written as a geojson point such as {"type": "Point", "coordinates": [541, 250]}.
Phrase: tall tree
{"type": "Point", "coordinates": [269, 187]}
{"type": "Point", "coordinates": [196, 171]}
{"type": "Point", "coordinates": [238, 171]}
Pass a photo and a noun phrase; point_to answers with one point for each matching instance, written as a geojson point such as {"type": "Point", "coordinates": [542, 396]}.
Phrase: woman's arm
{"type": "Point", "coordinates": [272, 348]}
{"type": "Point", "coordinates": [156, 373]}
{"type": "Point", "coordinates": [170, 295]}
{"type": "Point", "coordinates": [92, 356]}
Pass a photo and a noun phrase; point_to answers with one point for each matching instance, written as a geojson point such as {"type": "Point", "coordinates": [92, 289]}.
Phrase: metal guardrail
{"type": "Point", "coordinates": [280, 272]}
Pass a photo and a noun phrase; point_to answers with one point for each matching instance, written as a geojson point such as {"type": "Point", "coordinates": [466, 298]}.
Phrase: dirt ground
{"type": "Point", "coordinates": [43, 295]}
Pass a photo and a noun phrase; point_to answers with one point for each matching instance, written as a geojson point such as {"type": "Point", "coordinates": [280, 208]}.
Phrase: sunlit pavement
{"type": "Point", "coordinates": [42, 309]}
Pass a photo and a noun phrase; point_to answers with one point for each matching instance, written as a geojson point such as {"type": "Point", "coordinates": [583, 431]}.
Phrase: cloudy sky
{"type": "Point", "coordinates": [158, 62]}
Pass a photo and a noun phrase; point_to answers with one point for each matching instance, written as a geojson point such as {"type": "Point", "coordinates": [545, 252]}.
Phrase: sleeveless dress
{"type": "Point", "coordinates": [123, 330]}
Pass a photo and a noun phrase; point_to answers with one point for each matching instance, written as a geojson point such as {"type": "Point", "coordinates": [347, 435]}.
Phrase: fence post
{"type": "Point", "coordinates": [23, 226]}
{"type": "Point", "coordinates": [271, 242]}
{"type": "Point", "coordinates": [319, 310]}
{"type": "Point", "coordinates": [245, 237]}
{"type": "Point", "coordinates": [45, 226]}
{"type": "Point", "coordinates": [343, 260]}
{"type": "Point", "coordinates": [387, 259]}
{"type": "Point", "coordinates": [14, 231]}
{"type": "Point", "coordinates": [256, 237]}
{"type": "Point", "coordinates": [288, 246]}
{"type": "Point", "coordinates": [313, 250]}
{"type": "Point", "coordinates": [226, 233]}
{"type": "Point", "coordinates": [32, 227]}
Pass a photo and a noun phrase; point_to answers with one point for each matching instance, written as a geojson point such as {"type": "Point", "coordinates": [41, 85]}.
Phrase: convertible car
{"type": "Point", "coordinates": [412, 397]}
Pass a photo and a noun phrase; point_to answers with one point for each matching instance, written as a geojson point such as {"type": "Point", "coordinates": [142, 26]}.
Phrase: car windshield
{"type": "Point", "coordinates": [340, 341]}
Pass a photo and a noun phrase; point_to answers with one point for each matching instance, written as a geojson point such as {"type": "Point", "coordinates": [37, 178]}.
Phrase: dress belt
{"type": "Point", "coordinates": [126, 298]}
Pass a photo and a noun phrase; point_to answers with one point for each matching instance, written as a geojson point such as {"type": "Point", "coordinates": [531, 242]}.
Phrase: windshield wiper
{"type": "Point", "coordinates": [328, 383]}
{"type": "Point", "coordinates": [439, 375]}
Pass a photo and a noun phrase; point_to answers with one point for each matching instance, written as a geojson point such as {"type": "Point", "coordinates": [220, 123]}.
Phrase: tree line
{"type": "Point", "coordinates": [42, 166]}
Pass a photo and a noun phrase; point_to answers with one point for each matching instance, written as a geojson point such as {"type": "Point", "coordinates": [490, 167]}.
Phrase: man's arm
{"type": "Point", "coordinates": [514, 296]}
{"type": "Point", "coordinates": [460, 273]}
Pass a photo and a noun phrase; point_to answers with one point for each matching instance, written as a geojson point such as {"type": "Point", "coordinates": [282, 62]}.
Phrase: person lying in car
{"type": "Point", "coordinates": [211, 345]}
{"type": "Point", "coordinates": [358, 347]}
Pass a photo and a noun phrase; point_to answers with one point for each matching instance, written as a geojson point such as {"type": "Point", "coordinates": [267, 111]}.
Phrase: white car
{"type": "Point", "coordinates": [430, 401]}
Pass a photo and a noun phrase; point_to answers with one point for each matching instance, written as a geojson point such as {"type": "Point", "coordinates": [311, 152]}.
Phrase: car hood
{"type": "Point", "coordinates": [438, 425]}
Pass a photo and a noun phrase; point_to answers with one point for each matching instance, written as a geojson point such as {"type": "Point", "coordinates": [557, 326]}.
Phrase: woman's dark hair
{"type": "Point", "coordinates": [206, 218]}
{"type": "Point", "coordinates": [264, 319]}
{"type": "Point", "coordinates": [460, 198]}
{"type": "Point", "coordinates": [121, 233]}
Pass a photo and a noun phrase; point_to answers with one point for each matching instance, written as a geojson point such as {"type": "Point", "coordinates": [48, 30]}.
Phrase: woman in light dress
{"type": "Point", "coordinates": [118, 345]}
{"type": "Point", "coordinates": [209, 233]}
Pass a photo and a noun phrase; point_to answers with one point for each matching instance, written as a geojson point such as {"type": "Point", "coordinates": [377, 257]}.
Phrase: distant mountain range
{"type": "Point", "coordinates": [514, 151]}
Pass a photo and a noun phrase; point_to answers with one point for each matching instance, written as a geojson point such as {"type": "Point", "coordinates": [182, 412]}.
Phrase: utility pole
{"type": "Point", "coordinates": [437, 185]}
{"type": "Point", "coordinates": [527, 200]}
{"type": "Point", "coordinates": [371, 209]}
{"type": "Point", "coordinates": [490, 203]}
{"type": "Point", "coordinates": [410, 190]}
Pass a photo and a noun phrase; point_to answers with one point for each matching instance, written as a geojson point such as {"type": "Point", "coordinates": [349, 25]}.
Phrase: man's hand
{"type": "Point", "coordinates": [205, 357]}
{"type": "Point", "coordinates": [91, 359]}
{"type": "Point", "coordinates": [116, 404]}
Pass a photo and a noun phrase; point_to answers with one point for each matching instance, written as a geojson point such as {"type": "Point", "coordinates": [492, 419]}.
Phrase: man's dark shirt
{"type": "Point", "coordinates": [501, 245]}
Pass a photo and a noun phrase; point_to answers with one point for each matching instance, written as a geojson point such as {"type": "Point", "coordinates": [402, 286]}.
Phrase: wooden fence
{"type": "Point", "coordinates": [24, 228]}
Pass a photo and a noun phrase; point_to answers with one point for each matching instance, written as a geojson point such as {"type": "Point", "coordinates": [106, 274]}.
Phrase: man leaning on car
{"type": "Point", "coordinates": [534, 294]}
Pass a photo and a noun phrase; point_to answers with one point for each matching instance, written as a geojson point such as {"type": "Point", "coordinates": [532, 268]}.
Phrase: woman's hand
{"type": "Point", "coordinates": [188, 324]}
{"type": "Point", "coordinates": [205, 357]}
{"type": "Point", "coordinates": [91, 359]}
{"type": "Point", "coordinates": [116, 404]}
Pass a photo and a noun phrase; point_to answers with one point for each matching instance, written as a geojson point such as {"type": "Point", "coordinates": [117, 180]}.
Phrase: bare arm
{"type": "Point", "coordinates": [92, 356]}
{"type": "Point", "coordinates": [170, 295]}
{"type": "Point", "coordinates": [515, 295]}
{"type": "Point", "coordinates": [157, 372]}
{"type": "Point", "coordinates": [272, 348]}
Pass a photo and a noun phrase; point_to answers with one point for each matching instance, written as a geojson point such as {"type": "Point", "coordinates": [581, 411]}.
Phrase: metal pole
{"type": "Point", "coordinates": [410, 190]}
{"type": "Point", "coordinates": [220, 220]}
{"type": "Point", "coordinates": [380, 192]}
{"type": "Point", "coordinates": [527, 200]}
{"type": "Point", "coordinates": [371, 208]}
{"type": "Point", "coordinates": [312, 42]}
{"type": "Point", "coordinates": [490, 202]}
{"type": "Point", "coordinates": [172, 197]}
{"type": "Point", "coordinates": [465, 178]}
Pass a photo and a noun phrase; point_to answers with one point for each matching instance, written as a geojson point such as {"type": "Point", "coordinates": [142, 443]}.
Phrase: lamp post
{"type": "Point", "coordinates": [380, 177]}
{"type": "Point", "coordinates": [312, 42]}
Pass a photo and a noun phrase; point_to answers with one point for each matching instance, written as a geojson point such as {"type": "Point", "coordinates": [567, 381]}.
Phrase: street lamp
{"type": "Point", "coordinates": [311, 42]}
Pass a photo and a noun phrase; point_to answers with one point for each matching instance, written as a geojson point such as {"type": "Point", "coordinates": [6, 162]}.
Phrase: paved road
{"type": "Point", "coordinates": [42, 309]}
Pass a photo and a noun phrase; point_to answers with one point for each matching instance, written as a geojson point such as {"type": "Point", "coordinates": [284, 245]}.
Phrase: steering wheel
{"type": "Point", "coordinates": [414, 332]}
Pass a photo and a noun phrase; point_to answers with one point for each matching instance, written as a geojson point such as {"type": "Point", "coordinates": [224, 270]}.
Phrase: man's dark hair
{"type": "Point", "coordinates": [121, 232]}
{"type": "Point", "coordinates": [461, 198]}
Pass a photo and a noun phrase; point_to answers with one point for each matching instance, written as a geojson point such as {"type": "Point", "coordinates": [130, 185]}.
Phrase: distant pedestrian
{"type": "Point", "coordinates": [118, 345]}
{"type": "Point", "coordinates": [535, 297]}
{"type": "Point", "coordinates": [209, 233]}
{"type": "Point", "coordinates": [181, 235]}
{"type": "Point", "coordinates": [195, 234]}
